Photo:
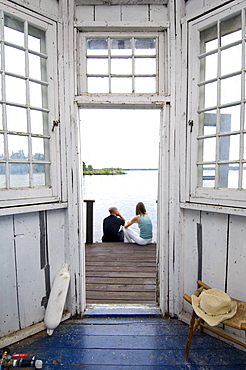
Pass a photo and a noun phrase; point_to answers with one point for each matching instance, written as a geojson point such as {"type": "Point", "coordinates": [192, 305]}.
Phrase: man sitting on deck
{"type": "Point", "coordinates": [112, 226]}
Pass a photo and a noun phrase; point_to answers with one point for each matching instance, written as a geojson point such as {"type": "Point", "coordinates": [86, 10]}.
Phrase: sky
{"type": "Point", "coordinates": [123, 138]}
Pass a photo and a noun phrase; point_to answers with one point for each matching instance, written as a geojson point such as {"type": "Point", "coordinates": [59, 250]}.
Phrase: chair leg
{"type": "Point", "coordinates": [190, 334]}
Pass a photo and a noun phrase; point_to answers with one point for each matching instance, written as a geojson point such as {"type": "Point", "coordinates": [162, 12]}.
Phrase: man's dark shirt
{"type": "Point", "coordinates": [111, 226]}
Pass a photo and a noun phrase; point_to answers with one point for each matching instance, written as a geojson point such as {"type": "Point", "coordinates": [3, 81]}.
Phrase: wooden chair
{"type": "Point", "coordinates": [237, 322]}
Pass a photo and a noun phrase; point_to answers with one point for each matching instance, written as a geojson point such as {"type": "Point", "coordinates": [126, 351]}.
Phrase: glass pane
{"type": "Point", "coordinates": [145, 47]}
{"type": "Point", "coordinates": [244, 146]}
{"type": "Point", "coordinates": [2, 156]}
{"type": "Point", "coordinates": [207, 149]}
{"type": "Point", "coordinates": [121, 85]}
{"type": "Point", "coordinates": [40, 148]}
{"type": "Point", "coordinates": [244, 176]}
{"type": "Point", "coordinates": [206, 175]}
{"type": "Point", "coordinates": [41, 175]}
{"type": "Point", "coordinates": [97, 66]}
{"type": "Point", "coordinates": [145, 85]}
{"type": "Point", "coordinates": [209, 40]}
{"type": "Point", "coordinates": [145, 66]}
{"type": "Point", "coordinates": [16, 119]}
{"type": "Point", "coordinates": [121, 47]}
{"type": "Point", "coordinates": [207, 123]}
{"type": "Point", "coordinates": [38, 95]}
{"type": "Point", "coordinates": [37, 67]}
{"type": "Point", "coordinates": [229, 147]}
{"type": "Point", "coordinates": [18, 147]}
{"type": "Point", "coordinates": [1, 95]}
{"type": "Point", "coordinates": [13, 31]}
{"type": "Point", "coordinates": [230, 119]}
{"type": "Point", "coordinates": [230, 89]}
{"type": "Point", "coordinates": [39, 122]}
{"type": "Point", "coordinates": [15, 90]}
{"type": "Point", "coordinates": [1, 117]}
{"type": "Point", "coordinates": [228, 175]}
{"type": "Point", "coordinates": [121, 66]}
{"type": "Point", "coordinates": [36, 39]}
{"type": "Point", "coordinates": [210, 95]}
{"type": "Point", "coordinates": [208, 67]}
{"type": "Point", "coordinates": [97, 47]}
{"type": "Point", "coordinates": [12, 55]}
{"type": "Point", "coordinates": [19, 175]}
{"type": "Point", "coordinates": [98, 85]}
{"type": "Point", "coordinates": [231, 59]}
{"type": "Point", "coordinates": [2, 176]}
{"type": "Point", "coordinates": [231, 30]}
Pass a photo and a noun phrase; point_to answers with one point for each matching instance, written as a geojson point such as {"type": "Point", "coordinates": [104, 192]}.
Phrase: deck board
{"type": "Point", "coordinates": [129, 342]}
{"type": "Point", "coordinates": [120, 273]}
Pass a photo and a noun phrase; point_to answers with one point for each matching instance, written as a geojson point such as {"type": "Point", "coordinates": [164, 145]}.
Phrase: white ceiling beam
{"type": "Point", "coordinates": [120, 2]}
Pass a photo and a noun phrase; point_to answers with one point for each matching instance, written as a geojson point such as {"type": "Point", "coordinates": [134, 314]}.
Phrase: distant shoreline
{"type": "Point", "coordinates": [115, 171]}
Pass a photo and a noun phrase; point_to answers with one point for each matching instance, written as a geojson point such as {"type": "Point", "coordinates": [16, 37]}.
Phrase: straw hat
{"type": "Point", "coordinates": [214, 306]}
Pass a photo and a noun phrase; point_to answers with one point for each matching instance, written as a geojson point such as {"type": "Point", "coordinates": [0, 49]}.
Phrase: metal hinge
{"type": "Point", "coordinates": [191, 123]}
{"type": "Point", "coordinates": [55, 124]}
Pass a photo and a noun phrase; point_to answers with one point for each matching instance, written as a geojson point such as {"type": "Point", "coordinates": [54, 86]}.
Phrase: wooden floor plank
{"type": "Point", "coordinates": [120, 273]}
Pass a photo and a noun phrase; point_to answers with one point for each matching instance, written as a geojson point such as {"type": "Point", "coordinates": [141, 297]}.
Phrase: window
{"type": "Point", "coordinates": [221, 124]}
{"type": "Point", "coordinates": [120, 65]}
{"type": "Point", "coordinates": [25, 136]}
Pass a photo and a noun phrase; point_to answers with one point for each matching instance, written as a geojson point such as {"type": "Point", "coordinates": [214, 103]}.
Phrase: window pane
{"type": "Point", "coordinates": [1, 95]}
{"type": "Point", "coordinates": [121, 85]}
{"type": "Point", "coordinates": [18, 147]}
{"type": "Point", "coordinates": [13, 31]}
{"type": "Point", "coordinates": [145, 85]}
{"type": "Point", "coordinates": [230, 119]}
{"type": "Point", "coordinates": [145, 66]}
{"type": "Point", "coordinates": [208, 39]}
{"type": "Point", "coordinates": [38, 95]}
{"type": "Point", "coordinates": [98, 85]}
{"type": "Point", "coordinates": [12, 55]}
{"type": "Point", "coordinates": [229, 147]}
{"type": "Point", "coordinates": [37, 67]}
{"type": "Point", "coordinates": [1, 117]}
{"type": "Point", "coordinates": [145, 47]}
{"type": "Point", "coordinates": [121, 47]}
{"type": "Point", "coordinates": [207, 123]}
{"type": "Point", "coordinates": [2, 156]}
{"type": "Point", "coordinates": [2, 176]}
{"type": "Point", "coordinates": [36, 39]}
{"type": "Point", "coordinates": [19, 175]}
{"type": "Point", "coordinates": [207, 149]}
{"type": "Point", "coordinates": [231, 89]}
{"type": "Point", "coordinates": [41, 175]}
{"type": "Point", "coordinates": [97, 66]}
{"type": "Point", "coordinates": [97, 47]}
{"type": "Point", "coordinates": [208, 67]}
{"type": "Point", "coordinates": [244, 146]}
{"type": "Point", "coordinates": [15, 90]}
{"type": "Point", "coordinates": [40, 148]}
{"type": "Point", "coordinates": [231, 59]}
{"type": "Point", "coordinates": [121, 66]}
{"type": "Point", "coordinates": [244, 176]}
{"type": "Point", "coordinates": [39, 122]}
{"type": "Point", "coordinates": [16, 119]}
{"type": "Point", "coordinates": [231, 30]}
{"type": "Point", "coordinates": [228, 175]}
{"type": "Point", "coordinates": [210, 95]}
{"type": "Point", "coordinates": [206, 175]}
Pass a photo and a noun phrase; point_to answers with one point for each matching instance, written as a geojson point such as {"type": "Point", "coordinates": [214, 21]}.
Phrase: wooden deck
{"type": "Point", "coordinates": [128, 342]}
{"type": "Point", "coordinates": [120, 273]}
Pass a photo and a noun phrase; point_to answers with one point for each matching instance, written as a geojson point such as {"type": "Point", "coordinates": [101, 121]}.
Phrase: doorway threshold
{"type": "Point", "coordinates": [122, 310]}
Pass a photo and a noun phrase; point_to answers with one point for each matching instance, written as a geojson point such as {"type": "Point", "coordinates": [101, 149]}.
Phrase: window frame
{"type": "Point", "coordinates": [206, 195]}
{"type": "Point", "coordinates": [161, 52]}
{"type": "Point", "coordinates": [52, 192]}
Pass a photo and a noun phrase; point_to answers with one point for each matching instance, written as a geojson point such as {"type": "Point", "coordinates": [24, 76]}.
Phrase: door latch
{"type": "Point", "coordinates": [191, 123]}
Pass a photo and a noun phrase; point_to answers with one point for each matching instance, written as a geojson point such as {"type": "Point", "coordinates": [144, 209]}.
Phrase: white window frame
{"type": "Point", "coordinates": [212, 196]}
{"type": "Point", "coordinates": [51, 193]}
{"type": "Point", "coordinates": [161, 52]}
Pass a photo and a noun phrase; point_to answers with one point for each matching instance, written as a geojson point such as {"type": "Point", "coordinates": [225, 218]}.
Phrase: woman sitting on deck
{"type": "Point", "coordinates": [144, 224]}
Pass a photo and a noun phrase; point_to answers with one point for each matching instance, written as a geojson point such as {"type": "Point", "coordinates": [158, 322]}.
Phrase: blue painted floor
{"type": "Point", "coordinates": [128, 342]}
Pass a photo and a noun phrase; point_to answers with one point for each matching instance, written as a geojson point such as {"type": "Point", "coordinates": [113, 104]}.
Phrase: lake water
{"type": "Point", "coordinates": [124, 192]}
